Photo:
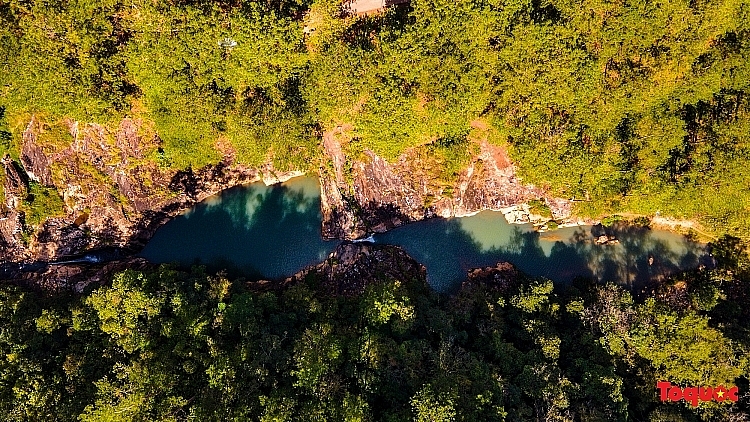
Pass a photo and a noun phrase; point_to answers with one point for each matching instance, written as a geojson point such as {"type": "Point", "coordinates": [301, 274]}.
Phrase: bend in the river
{"type": "Point", "coordinates": [273, 231]}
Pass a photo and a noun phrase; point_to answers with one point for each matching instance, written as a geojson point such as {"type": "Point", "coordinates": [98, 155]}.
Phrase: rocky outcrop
{"type": "Point", "coordinates": [35, 161]}
{"type": "Point", "coordinates": [117, 192]}
{"type": "Point", "coordinates": [347, 271]}
{"type": "Point", "coordinates": [11, 224]}
{"type": "Point", "coordinates": [51, 278]}
{"type": "Point", "coordinates": [503, 276]}
{"type": "Point", "coordinates": [372, 195]}
{"type": "Point", "coordinates": [353, 266]}
{"type": "Point", "coordinates": [114, 195]}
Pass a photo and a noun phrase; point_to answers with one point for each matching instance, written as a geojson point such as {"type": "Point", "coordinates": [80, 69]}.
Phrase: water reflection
{"type": "Point", "coordinates": [271, 232]}
{"type": "Point", "coordinates": [449, 248]}
{"type": "Point", "coordinates": [253, 230]}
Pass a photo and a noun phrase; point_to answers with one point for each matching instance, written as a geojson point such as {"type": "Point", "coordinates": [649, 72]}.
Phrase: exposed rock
{"type": "Point", "coordinates": [503, 276]}
{"type": "Point", "coordinates": [68, 278]}
{"type": "Point", "coordinates": [346, 272]}
{"type": "Point", "coordinates": [353, 266]}
{"type": "Point", "coordinates": [34, 160]}
{"type": "Point", "coordinates": [373, 195]}
{"type": "Point", "coordinates": [14, 189]}
{"type": "Point", "coordinates": [606, 240]}
{"type": "Point", "coordinates": [104, 176]}
{"type": "Point", "coordinates": [115, 196]}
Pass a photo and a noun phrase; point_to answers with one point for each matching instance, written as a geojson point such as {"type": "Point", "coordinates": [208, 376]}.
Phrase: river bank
{"type": "Point", "coordinates": [263, 232]}
{"type": "Point", "coordinates": [114, 196]}
{"type": "Point", "coordinates": [270, 232]}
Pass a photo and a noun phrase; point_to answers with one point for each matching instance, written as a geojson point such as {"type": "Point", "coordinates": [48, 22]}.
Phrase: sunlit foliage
{"type": "Point", "coordinates": [632, 107]}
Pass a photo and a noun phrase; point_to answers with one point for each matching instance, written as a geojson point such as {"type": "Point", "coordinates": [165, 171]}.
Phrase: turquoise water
{"type": "Point", "coordinates": [253, 230]}
{"type": "Point", "coordinates": [262, 231]}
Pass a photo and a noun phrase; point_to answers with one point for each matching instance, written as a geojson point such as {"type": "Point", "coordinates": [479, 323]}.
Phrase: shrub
{"type": "Point", "coordinates": [41, 203]}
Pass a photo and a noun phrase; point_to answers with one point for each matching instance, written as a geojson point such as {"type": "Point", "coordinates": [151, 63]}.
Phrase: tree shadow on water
{"type": "Point", "coordinates": [253, 230]}
{"type": "Point", "coordinates": [639, 257]}
{"type": "Point", "coordinates": [272, 232]}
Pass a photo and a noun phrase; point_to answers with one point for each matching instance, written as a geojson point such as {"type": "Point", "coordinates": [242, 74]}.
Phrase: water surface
{"type": "Point", "coordinates": [253, 230]}
{"type": "Point", "coordinates": [263, 231]}
{"type": "Point", "coordinates": [451, 247]}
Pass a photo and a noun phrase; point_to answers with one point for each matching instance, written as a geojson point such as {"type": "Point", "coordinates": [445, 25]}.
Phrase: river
{"type": "Point", "coordinates": [259, 231]}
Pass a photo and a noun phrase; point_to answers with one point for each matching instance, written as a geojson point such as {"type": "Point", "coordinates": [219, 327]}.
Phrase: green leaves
{"type": "Point", "coordinates": [431, 407]}
{"type": "Point", "coordinates": [536, 298]}
{"type": "Point", "coordinates": [198, 87]}
{"type": "Point", "coordinates": [41, 203]}
{"type": "Point", "coordinates": [681, 348]}
{"type": "Point", "coordinates": [558, 81]}
{"type": "Point", "coordinates": [388, 302]}
{"type": "Point", "coordinates": [124, 311]}
{"type": "Point", "coordinates": [63, 60]}
{"type": "Point", "coordinates": [158, 345]}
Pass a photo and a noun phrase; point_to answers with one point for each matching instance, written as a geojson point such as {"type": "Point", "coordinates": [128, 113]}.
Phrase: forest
{"type": "Point", "coordinates": [637, 107]}
{"type": "Point", "coordinates": [624, 107]}
{"type": "Point", "coordinates": [169, 345]}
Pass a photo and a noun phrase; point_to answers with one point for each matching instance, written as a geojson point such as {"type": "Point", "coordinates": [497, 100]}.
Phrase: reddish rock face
{"type": "Point", "coordinates": [14, 188]}
{"type": "Point", "coordinates": [36, 163]}
{"type": "Point", "coordinates": [373, 195]}
{"type": "Point", "coordinates": [103, 175]}
{"type": "Point", "coordinates": [107, 176]}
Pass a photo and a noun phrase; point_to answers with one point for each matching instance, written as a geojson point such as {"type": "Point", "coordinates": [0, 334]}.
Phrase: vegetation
{"type": "Point", "coordinates": [539, 207]}
{"type": "Point", "coordinates": [612, 219]}
{"type": "Point", "coordinates": [610, 106]}
{"type": "Point", "coordinates": [41, 202]}
{"type": "Point", "coordinates": [630, 108]}
{"type": "Point", "coordinates": [169, 345]}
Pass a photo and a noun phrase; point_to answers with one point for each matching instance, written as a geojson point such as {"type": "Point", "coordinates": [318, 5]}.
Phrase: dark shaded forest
{"type": "Point", "coordinates": [163, 344]}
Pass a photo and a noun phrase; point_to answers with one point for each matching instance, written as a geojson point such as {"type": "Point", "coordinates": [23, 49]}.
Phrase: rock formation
{"type": "Point", "coordinates": [67, 278]}
{"type": "Point", "coordinates": [352, 266]}
{"type": "Point", "coordinates": [373, 195]}
{"type": "Point", "coordinates": [114, 196]}
{"type": "Point", "coordinates": [503, 276]}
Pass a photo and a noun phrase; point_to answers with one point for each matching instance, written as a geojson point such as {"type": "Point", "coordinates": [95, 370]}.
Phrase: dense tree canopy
{"type": "Point", "coordinates": [169, 345]}
{"type": "Point", "coordinates": [636, 106]}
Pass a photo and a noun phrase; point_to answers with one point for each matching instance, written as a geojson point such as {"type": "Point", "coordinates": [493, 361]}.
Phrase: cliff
{"type": "Point", "coordinates": [114, 193]}
{"type": "Point", "coordinates": [368, 194]}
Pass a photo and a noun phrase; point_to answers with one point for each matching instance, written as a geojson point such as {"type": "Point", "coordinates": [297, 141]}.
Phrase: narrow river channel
{"type": "Point", "coordinates": [260, 231]}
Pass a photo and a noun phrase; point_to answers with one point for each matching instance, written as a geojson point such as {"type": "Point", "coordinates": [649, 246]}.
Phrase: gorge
{"type": "Point", "coordinates": [272, 232]}
{"type": "Point", "coordinates": [111, 202]}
